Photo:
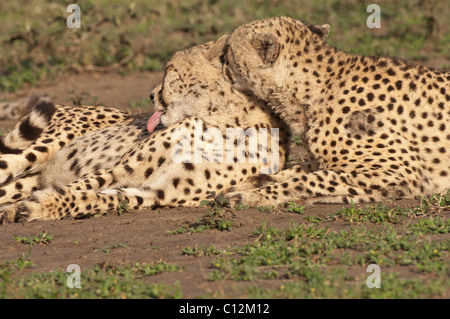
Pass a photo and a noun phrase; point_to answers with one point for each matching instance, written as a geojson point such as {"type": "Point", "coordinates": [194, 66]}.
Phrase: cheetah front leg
{"type": "Point", "coordinates": [68, 204]}
{"type": "Point", "coordinates": [322, 187]}
{"type": "Point", "coordinates": [74, 202]}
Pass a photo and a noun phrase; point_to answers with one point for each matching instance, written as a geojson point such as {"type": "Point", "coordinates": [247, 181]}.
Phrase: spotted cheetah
{"type": "Point", "coordinates": [201, 111]}
{"type": "Point", "coordinates": [378, 126]}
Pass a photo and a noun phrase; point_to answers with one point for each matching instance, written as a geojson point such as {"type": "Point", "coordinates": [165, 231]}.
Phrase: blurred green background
{"type": "Point", "coordinates": [125, 36]}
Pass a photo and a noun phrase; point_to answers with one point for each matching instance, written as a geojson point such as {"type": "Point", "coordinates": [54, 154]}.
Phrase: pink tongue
{"type": "Point", "coordinates": [154, 120]}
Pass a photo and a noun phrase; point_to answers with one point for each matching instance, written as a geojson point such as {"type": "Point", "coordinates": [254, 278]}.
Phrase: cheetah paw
{"type": "Point", "coordinates": [247, 198]}
{"type": "Point", "coordinates": [12, 213]}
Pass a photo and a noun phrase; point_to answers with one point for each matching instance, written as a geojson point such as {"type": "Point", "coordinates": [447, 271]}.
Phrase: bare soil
{"type": "Point", "coordinates": [109, 89]}
{"type": "Point", "coordinates": [143, 232]}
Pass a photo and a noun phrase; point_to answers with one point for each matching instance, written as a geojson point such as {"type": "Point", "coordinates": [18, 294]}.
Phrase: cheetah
{"type": "Point", "coordinates": [378, 126]}
{"type": "Point", "coordinates": [200, 110]}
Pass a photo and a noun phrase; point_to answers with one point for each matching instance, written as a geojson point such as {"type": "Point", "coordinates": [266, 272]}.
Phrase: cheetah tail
{"type": "Point", "coordinates": [29, 127]}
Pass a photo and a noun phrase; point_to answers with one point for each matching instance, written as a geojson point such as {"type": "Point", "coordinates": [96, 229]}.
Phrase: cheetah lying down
{"type": "Point", "coordinates": [379, 127]}
{"type": "Point", "coordinates": [124, 163]}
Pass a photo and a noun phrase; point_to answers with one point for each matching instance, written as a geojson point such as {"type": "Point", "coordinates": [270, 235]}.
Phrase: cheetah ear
{"type": "Point", "coordinates": [267, 46]}
{"type": "Point", "coordinates": [218, 47]}
{"type": "Point", "coordinates": [321, 30]}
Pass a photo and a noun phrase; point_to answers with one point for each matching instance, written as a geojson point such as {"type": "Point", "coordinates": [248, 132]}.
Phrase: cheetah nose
{"type": "Point", "coordinates": [152, 97]}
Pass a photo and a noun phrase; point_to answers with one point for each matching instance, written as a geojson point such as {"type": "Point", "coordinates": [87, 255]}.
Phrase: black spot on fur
{"type": "Point", "coordinates": [100, 181]}
{"type": "Point", "coordinates": [129, 169]}
{"type": "Point", "coordinates": [175, 182]}
{"type": "Point", "coordinates": [148, 172]}
{"type": "Point", "coordinates": [31, 157]}
{"type": "Point", "coordinates": [46, 109]}
{"type": "Point", "coordinates": [4, 149]}
{"type": "Point", "coordinates": [3, 165]}
{"type": "Point", "coordinates": [71, 154]}
{"type": "Point", "coordinates": [161, 160]}
{"type": "Point", "coordinates": [41, 149]}
{"type": "Point", "coordinates": [28, 131]}
{"type": "Point", "coordinates": [59, 190]}
{"type": "Point", "coordinates": [160, 194]}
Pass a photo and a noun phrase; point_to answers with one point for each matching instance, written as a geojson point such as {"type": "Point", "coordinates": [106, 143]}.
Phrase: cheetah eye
{"type": "Point", "coordinates": [152, 97]}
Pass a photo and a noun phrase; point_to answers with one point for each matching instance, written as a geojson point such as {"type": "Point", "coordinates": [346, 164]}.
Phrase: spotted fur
{"type": "Point", "coordinates": [32, 143]}
{"type": "Point", "coordinates": [378, 126]}
{"type": "Point", "coordinates": [195, 98]}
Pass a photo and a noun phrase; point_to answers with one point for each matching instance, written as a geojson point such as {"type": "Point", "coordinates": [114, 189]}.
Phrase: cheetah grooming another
{"type": "Point", "coordinates": [193, 98]}
{"type": "Point", "coordinates": [378, 126]}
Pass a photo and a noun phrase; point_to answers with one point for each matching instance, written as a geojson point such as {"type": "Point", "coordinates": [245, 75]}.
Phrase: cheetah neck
{"type": "Point", "coordinates": [319, 77]}
{"type": "Point", "coordinates": [307, 79]}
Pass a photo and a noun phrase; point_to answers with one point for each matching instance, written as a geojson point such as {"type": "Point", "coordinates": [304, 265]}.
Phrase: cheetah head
{"type": "Point", "coordinates": [259, 53]}
{"type": "Point", "coordinates": [193, 85]}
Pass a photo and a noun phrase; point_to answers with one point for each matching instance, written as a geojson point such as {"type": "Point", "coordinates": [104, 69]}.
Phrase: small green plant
{"type": "Point", "coordinates": [435, 202]}
{"type": "Point", "coordinates": [296, 139]}
{"type": "Point", "coordinates": [111, 247]}
{"type": "Point", "coordinates": [319, 219]}
{"type": "Point", "coordinates": [212, 219]}
{"type": "Point", "coordinates": [294, 207]}
{"type": "Point", "coordinates": [200, 251]}
{"type": "Point", "coordinates": [216, 202]}
{"type": "Point", "coordinates": [122, 207]}
{"type": "Point", "coordinates": [373, 213]}
{"type": "Point", "coordinates": [266, 209]}
{"type": "Point", "coordinates": [24, 262]}
{"type": "Point", "coordinates": [141, 270]}
{"type": "Point", "coordinates": [11, 266]}
{"type": "Point", "coordinates": [241, 207]}
{"type": "Point", "coordinates": [41, 238]}
{"type": "Point", "coordinates": [431, 225]}
{"type": "Point", "coordinates": [98, 282]}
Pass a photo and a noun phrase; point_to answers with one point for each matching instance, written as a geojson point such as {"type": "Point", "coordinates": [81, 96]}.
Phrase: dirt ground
{"type": "Point", "coordinates": [109, 89]}
{"type": "Point", "coordinates": [144, 233]}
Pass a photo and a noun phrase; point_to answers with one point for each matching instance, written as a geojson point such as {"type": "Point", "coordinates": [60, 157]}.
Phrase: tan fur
{"type": "Point", "coordinates": [194, 96]}
{"type": "Point", "coordinates": [378, 126]}
{"type": "Point", "coordinates": [66, 124]}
